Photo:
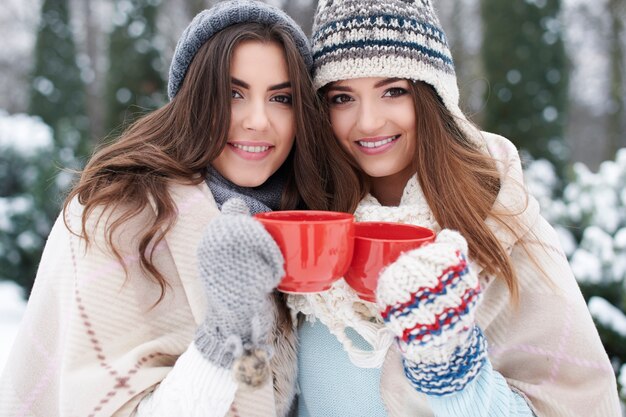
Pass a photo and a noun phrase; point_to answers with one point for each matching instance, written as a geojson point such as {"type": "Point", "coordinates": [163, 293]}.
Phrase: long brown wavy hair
{"type": "Point", "coordinates": [460, 184]}
{"type": "Point", "coordinates": [178, 142]}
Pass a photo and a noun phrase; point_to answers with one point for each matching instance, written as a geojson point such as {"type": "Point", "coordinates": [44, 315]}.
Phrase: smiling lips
{"type": "Point", "coordinates": [252, 151]}
{"type": "Point", "coordinates": [376, 145]}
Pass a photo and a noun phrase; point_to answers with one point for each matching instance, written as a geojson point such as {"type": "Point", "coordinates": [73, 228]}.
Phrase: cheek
{"type": "Point", "coordinates": [340, 124]}
{"type": "Point", "coordinates": [235, 114]}
{"type": "Point", "coordinates": [284, 123]}
{"type": "Point", "coordinates": [287, 132]}
{"type": "Point", "coordinates": [288, 128]}
{"type": "Point", "coordinates": [406, 116]}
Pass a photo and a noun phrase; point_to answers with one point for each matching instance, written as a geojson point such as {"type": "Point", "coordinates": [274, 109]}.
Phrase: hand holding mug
{"type": "Point", "coordinates": [239, 266]}
{"type": "Point", "coordinates": [428, 299]}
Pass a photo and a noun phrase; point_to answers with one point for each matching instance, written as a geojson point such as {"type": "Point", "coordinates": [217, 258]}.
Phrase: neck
{"type": "Point", "coordinates": [388, 190]}
{"type": "Point", "coordinates": [265, 197]}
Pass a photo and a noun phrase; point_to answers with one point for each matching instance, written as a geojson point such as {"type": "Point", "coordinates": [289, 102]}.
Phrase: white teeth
{"type": "Point", "coordinates": [377, 143]}
{"type": "Point", "coordinates": [253, 149]}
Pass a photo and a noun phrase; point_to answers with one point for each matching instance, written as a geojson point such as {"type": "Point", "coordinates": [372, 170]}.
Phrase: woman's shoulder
{"type": "Point", "coordinates": [132, 219]}
{"type": "Point", "coordinates": [500, 147]}
{"type": "Point", "coordinates": [98, 217]}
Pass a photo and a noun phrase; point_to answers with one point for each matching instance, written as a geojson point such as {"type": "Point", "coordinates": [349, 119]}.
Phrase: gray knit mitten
{"type": "Point", "coordinates": [239, 265]}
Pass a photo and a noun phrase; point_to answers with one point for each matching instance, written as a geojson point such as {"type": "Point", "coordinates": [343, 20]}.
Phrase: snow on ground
{"type": "Point", "coordinates": [12, 306]}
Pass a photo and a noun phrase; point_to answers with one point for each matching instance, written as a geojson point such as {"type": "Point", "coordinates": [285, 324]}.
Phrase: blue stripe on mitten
{"type": "Point", "coordinates": [428, 298]}
{"type": "Point", "coordinates": [453, 376]}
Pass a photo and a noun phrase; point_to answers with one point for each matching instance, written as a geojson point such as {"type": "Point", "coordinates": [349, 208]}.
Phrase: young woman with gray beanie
{"type": "Point", "coordinates": [148, 301]}
{"type": "Point", "coordinates": [486, 321]}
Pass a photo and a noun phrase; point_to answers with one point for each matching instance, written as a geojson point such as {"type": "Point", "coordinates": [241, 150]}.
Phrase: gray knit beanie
{"type": "Point", "coordinates": [224, 14]}
{"type": "Point", "coordinates": [386, 38]}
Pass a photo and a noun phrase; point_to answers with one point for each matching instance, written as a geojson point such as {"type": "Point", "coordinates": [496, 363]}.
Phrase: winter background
{"type": "Point", "coordinates": [548, 74]}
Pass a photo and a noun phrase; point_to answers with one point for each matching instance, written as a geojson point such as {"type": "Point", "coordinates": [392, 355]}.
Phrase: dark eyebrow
{"type": "Point", "coordinates": [240, 83]}
{"type": "Point", "coordinates": [379, 84]}
{"type": "Point", "coordinates": [243, 84]}
{"type": "Point", "coordinates": [386, 81]}
{"type": "Point", "coordinates": [280, 86]}
{"type": "Point", "coordinates": [334, 87]}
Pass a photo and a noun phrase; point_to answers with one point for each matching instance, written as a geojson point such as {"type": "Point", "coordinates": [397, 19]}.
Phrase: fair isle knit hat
{"type": "Point", "coordinates": [386, 38]}
{"type": "Point", "coordinates": [208, 22]}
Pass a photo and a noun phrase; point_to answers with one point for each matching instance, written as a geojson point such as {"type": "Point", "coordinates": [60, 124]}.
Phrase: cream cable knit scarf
{"type": "Point", "coordinates": [340, 307]}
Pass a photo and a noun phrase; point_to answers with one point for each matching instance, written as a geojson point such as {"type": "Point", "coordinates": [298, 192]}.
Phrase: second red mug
{"type": "Point", "coordinates": [376, 245]}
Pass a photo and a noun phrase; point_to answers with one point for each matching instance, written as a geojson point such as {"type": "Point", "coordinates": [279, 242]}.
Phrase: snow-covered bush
{"type": "Point", "coordinates": [590, 218]}
{"type": "Point", "coordinates": [591, 214]}
{"type": "Point", "coordinates": [26, 185]}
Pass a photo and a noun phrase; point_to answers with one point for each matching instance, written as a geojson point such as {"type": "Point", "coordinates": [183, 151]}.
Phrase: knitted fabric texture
{"type": "Point", "coordinates": [451, 376]}
{"type": "Point", "coordinates": [340, 307]}
{"type": "Point", "coordinates": [240, 265]}
{"type": "Point", "coordinates": [208, 22]}
{"type": "Point", "coordinates": [428, 299]}
{"type": "Point", "coordinates": [265, 197]}
{"type": "Point", "coordinates": [390, 39]}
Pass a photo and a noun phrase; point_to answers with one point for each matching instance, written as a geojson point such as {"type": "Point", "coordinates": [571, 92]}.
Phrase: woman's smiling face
{"type": "Point", "coordinates": [374, 120]}
{"type": "Point", "coordinates": [262, 123]}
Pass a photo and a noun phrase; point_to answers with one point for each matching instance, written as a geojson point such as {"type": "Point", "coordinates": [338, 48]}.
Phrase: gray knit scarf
{"type": "Point", "coordinates": [265, 197]}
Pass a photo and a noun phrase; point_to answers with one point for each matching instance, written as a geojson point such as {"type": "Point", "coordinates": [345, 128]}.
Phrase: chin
{"type": "Point", "coordinates": [249, 177]}
{"type": "Point", "coordinates": [378, 173]}
{"type": "Point", "coordinates": [248, 182]}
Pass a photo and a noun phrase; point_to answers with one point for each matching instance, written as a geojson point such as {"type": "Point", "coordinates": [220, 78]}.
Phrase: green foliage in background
{"type": "Point", "coordinates": [526, 65]}
{"type": "Point", "coordinates": [28, 203]}
{"type": "Point", "coordinates": [58, 92]}
{"type": "Point", "coordinates": [134, 82]}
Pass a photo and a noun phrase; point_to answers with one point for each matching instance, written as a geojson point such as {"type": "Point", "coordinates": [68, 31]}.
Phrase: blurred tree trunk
{"type": "Point", "coordinates": [95, 109]}
{"type": "Point", "coordinates": [525, 64]}
{"type": "Point", "coordinates": [57, 92]}
{"type": "Point", "coordinates": [616, 130]}
{"type": "Point", "coordinates": [134, 83]}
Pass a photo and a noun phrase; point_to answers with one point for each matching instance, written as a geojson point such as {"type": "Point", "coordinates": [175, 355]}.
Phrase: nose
{"type": "Point", "coordinates": [256, 117]}
{"type": "Point", "coordinates": [370, 117]}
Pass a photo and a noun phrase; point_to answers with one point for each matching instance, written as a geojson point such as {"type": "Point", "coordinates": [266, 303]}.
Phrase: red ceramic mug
{"type": "Point", "coordinates": [316, 245]}
{"type": "Point", "coordinates": [376, 245]}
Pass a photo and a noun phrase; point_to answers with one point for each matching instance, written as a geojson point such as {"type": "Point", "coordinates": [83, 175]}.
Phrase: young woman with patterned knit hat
{"type": "Point", "coordinates": [148, 300]}
{"type": "Point", "coordinates": [486, 321]}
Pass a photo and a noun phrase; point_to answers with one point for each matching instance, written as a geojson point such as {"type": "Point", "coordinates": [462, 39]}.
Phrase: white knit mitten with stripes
{"type": "Point", "coordinates": [428, 298]}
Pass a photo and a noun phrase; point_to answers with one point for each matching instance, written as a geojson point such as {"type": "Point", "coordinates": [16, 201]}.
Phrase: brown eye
{"type": "Point", "coordinates": [283, 99]}
{"type": "Point", "coordinates": [395, 92]}
{"type": "Point", "coordinates": [340, 99]}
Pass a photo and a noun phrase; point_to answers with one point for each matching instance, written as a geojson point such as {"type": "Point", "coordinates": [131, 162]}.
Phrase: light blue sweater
{"type": "Point", "coordinates": [330, 385]}
{"type": "Point", "coordinates": [325, 374]}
